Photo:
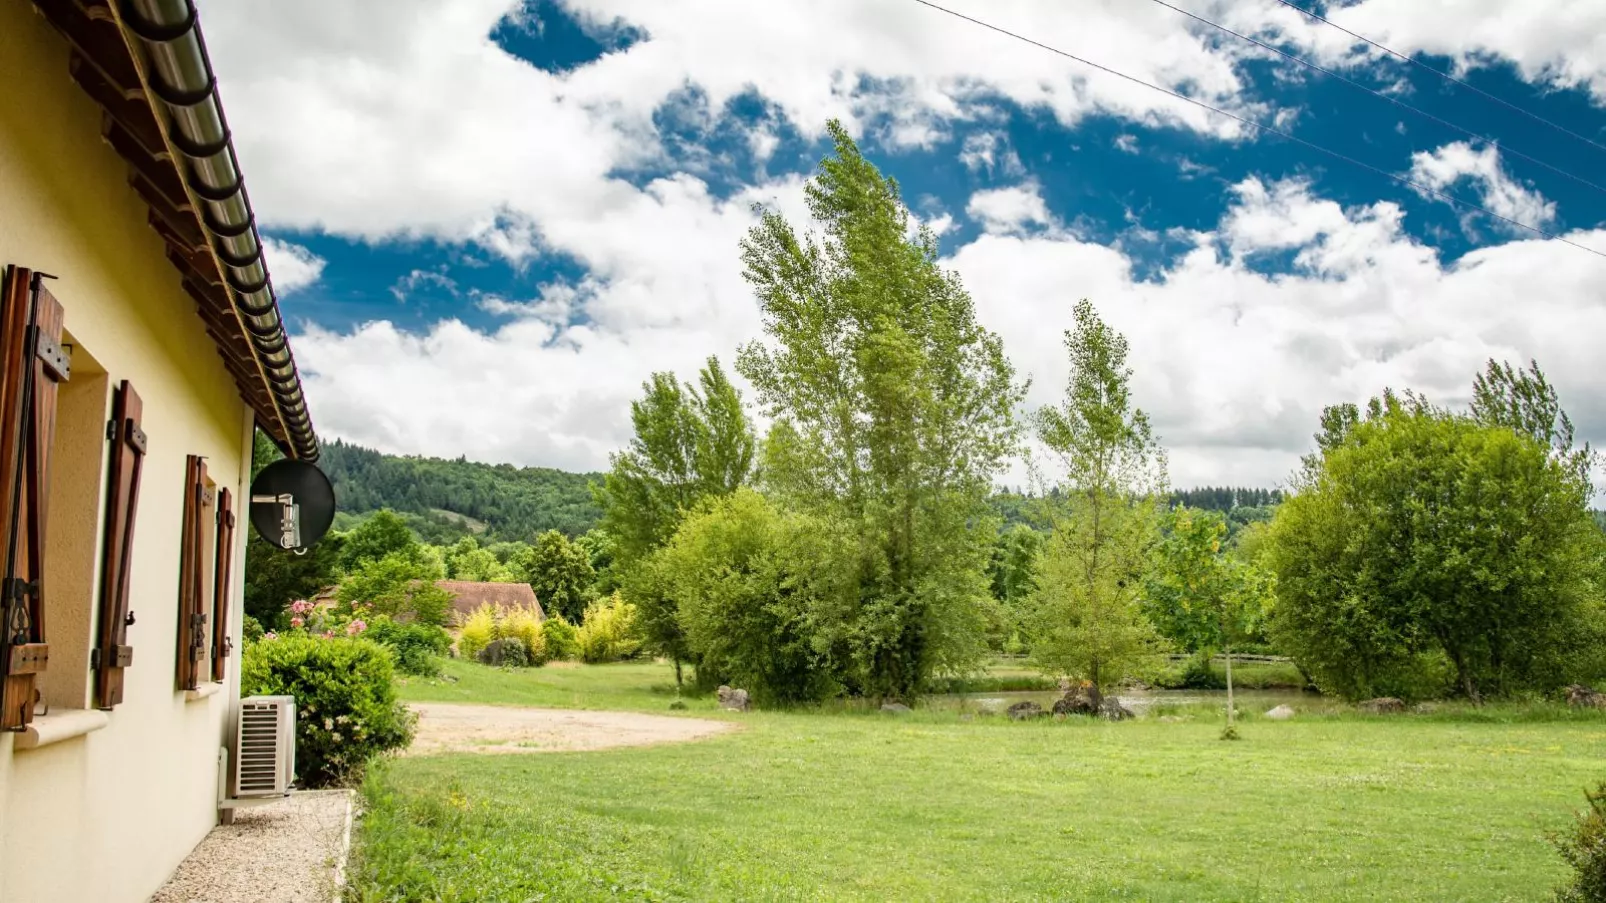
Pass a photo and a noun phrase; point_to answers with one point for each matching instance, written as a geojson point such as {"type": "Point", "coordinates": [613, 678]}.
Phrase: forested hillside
{"type": "Point", "coordinates": [444, 499]}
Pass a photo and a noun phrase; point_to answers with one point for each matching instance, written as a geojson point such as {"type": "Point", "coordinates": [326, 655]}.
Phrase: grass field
{"type": "Point", "coordinates": [810, 805]}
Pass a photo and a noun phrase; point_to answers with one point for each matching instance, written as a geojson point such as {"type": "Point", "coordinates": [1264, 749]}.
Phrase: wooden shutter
{"type": "Point", "coordinates": [122, 502]}
{"type": "Point", "coordinates": [221, 644]}
{"type": "Point", "coordinates": [32, 365]}
{"type": "Point", "coordinates": [195, 573]}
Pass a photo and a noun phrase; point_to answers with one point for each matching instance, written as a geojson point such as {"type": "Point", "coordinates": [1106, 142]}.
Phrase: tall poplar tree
{"type": "Point", "coordinates": [1087, 616]}
{"type": "Point", "coordinates": [894, 410]}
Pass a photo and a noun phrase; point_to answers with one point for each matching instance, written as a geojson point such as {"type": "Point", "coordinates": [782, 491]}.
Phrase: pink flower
{"type": "Point", "coordinates": [270, 635]}
{"type": "Point", "coordinates": [355, 627]}
{"type": "Point", "coordinates": [297, 621]}
{"type": "Point", "coordinates": [328, 634]}
{"type": "Point", "coordinates": [301, 606]}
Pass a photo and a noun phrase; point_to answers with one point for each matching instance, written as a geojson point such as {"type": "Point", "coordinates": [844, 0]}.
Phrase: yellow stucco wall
{"type": "Point", "coordinates": [107, 816]}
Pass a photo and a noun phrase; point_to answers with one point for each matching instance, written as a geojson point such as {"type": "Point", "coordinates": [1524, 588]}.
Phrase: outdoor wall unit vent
{"type": "Point", "coordinates": [265, 750]}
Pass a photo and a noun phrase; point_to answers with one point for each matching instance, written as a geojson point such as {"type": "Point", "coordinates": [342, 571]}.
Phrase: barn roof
{"type": "Point", "coordinates": [468, 595]}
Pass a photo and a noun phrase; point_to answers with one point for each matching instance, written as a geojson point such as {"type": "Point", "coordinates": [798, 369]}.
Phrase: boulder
{"type": "Point", "coordinates": [1281, 713]}
{"type": "Point", "coordinates": [1074, 703]}
{"type": "Point", "coordinates": [1582, 697]}
{"type": "Point", "coordinates": [1021, 711]}
{"type": "Point", "coordinates": [895, 708]}
{"type": "Point", "coordinates": [491, 654]}
{"type": "Point", "coordinates": [1383, 705]}
{"type": "Point", "coordinates": [1111, 708]}
{"type": "Point", "coordinates": [733, 700]}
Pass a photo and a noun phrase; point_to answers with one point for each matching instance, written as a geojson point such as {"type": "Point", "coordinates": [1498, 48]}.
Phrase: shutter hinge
{"type": "Point", "coordinates": [94, 659]}
{"type": "Point", "coordinates": [16, 588]}
{"type": "Point", "coordinates": [111, 429]}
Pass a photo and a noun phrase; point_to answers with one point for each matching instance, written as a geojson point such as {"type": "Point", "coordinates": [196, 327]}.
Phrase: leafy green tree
{"type": "Point", "coordinates": [1423, 545]}
{"type": "Point", "coordinates": [1526, 403]}
{"type": "Point", "coordinates": [480, 565]}
{"type": "Point", "coordinates": [1198, 596]}
{"type": "Point", "coordinates": [599, 547]}
{"type": "Point", "coordinates": [383, 534]}
{"type": "Point", "coordinates": [690, 444]}
{"type": "Point", "coordinates": [1087, 618]}
{"type": "Point", "coordinates": [560, 573]}
{"type": "Point", "coordinates": [274, 577]}
{"type": "Point", "coordinates": [1013, 572]}
{"type": "Point", "coordinates": [398, 585]}
{"type": "Point", "coordinates": [465, 560]}
{"type": "Point", "coordinates": [894, 411]}
{"type": "Point", "coordinates": [744, 577]}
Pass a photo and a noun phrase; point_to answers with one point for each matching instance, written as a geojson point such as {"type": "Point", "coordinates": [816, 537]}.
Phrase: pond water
{"type": "Point", "coordinates": [1139, 701]}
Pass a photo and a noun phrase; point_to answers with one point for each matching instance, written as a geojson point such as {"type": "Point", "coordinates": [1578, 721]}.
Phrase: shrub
{"type": "Point", "coordinates": [514, 653]}
{"type": "Point", "coordinates": [523, 624]}
{"type": "Point", "coordinates": [489, 623]}
{"type": "Point", "coordinates": [417, 647]}
{"type": "Point", "coordinates": [251, 629]}
{"type": "Point", "coordinates": [346, 706]}
{"type": "Point", "coordinates": [1585, 850]}
{"type": "Point", "coordinates": [609, 631]}
{"type": "Point", "coordinates": [479, 629]}
{"type": "Point", "coordinates": [561, 638]}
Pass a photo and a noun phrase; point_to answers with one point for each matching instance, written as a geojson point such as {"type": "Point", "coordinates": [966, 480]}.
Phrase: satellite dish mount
{"type": "Point", "coordinates": [292, 505]}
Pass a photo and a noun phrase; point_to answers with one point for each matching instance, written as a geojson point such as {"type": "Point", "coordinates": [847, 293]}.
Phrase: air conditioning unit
{"type": "Point", "coordinates": [265, 751]}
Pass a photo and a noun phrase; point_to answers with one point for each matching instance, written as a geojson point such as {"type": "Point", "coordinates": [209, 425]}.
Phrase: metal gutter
{"type": "Point", "coordinates": [171, 56]}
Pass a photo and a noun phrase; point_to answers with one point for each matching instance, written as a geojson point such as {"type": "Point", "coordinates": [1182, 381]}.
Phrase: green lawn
{"type": "Point", "coordinates": [806, 806]}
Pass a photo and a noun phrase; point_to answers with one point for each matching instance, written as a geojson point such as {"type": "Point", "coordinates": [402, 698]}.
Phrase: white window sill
{"type": "Point", "coordinates": [202, 692]}
{"type": "Point", "coordinates": [64, 724]}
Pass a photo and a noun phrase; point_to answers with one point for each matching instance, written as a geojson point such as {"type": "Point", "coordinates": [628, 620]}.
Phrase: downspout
{"type": "Point", "coordinates": [181, 83]}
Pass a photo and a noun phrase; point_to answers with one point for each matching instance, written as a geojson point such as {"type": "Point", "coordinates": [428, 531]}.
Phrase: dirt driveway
{"type": "Point", "coordinates": [444, 727]}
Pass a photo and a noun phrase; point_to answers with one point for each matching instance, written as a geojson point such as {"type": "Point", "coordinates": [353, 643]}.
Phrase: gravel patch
{"type": "Point", "coordinates": [291, 851]}
{"type": "Point", "coordinates": [446, 728]}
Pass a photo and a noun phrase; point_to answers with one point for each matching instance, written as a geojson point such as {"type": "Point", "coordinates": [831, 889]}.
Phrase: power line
{"type": "Point", "coordinates": [1379, 94]}
{"type": "Point", "coordinates": [1446, 76]}
{"type": "Point", "coordinates": [1448, 198]}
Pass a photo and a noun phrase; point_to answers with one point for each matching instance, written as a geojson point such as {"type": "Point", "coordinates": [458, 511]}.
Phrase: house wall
{"type": "Point", "coordinates": [108, 815]}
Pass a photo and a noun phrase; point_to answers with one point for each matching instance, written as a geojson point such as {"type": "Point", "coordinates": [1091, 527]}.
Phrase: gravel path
{"type": "Point", "coordinates": [505, 729]}
{"type": "Point", "coordinates": [285, 852]}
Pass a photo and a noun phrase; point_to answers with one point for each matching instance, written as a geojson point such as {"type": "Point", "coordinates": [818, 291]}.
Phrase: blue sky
{"type": "Point", "coordinates": [489, 224]}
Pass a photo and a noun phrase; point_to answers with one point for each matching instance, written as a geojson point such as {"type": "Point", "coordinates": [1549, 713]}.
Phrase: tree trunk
{"type": "Point", "coordinates": [1229, 687]}
{"type": "Point", "coordinates": [677, 674]}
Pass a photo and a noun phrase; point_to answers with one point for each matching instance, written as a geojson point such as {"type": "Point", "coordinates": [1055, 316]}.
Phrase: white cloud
{"type": "Point", "coordinates": [550, 387]}
{"type": "Point", "coordinates": [1555, 41]}
{"type": "Point", "coordinates": [1127, 143]}
{"type": "Point", "coordinates": [1235, 365]}
{"type": "Point", "coordinates": [1006, 211]}
{"type": "Point", "coordinates": [1441, 169]}
{"type": "Point", "coordinates": [422, 279]}
{"type": "Point", "coordinates": [989, 151]}
{"type": "Point", "coordinates": [292, 267]}
{"type": "Point", "coordinates": [402, 119]}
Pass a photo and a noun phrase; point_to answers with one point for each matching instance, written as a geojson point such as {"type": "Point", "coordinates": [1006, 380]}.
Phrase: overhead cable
{"type": "Point", "coordinates": [1271, 130]}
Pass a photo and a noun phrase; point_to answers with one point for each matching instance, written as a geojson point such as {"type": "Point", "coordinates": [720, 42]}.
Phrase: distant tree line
{"type": "Point", "coordinates": [511, 502]}
{"type": "Point", "coordinates": [1225, 498]}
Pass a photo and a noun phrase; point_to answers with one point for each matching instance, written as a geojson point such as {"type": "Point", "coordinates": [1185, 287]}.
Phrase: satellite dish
{"type": "Point", "coordinates": [292, 504]}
